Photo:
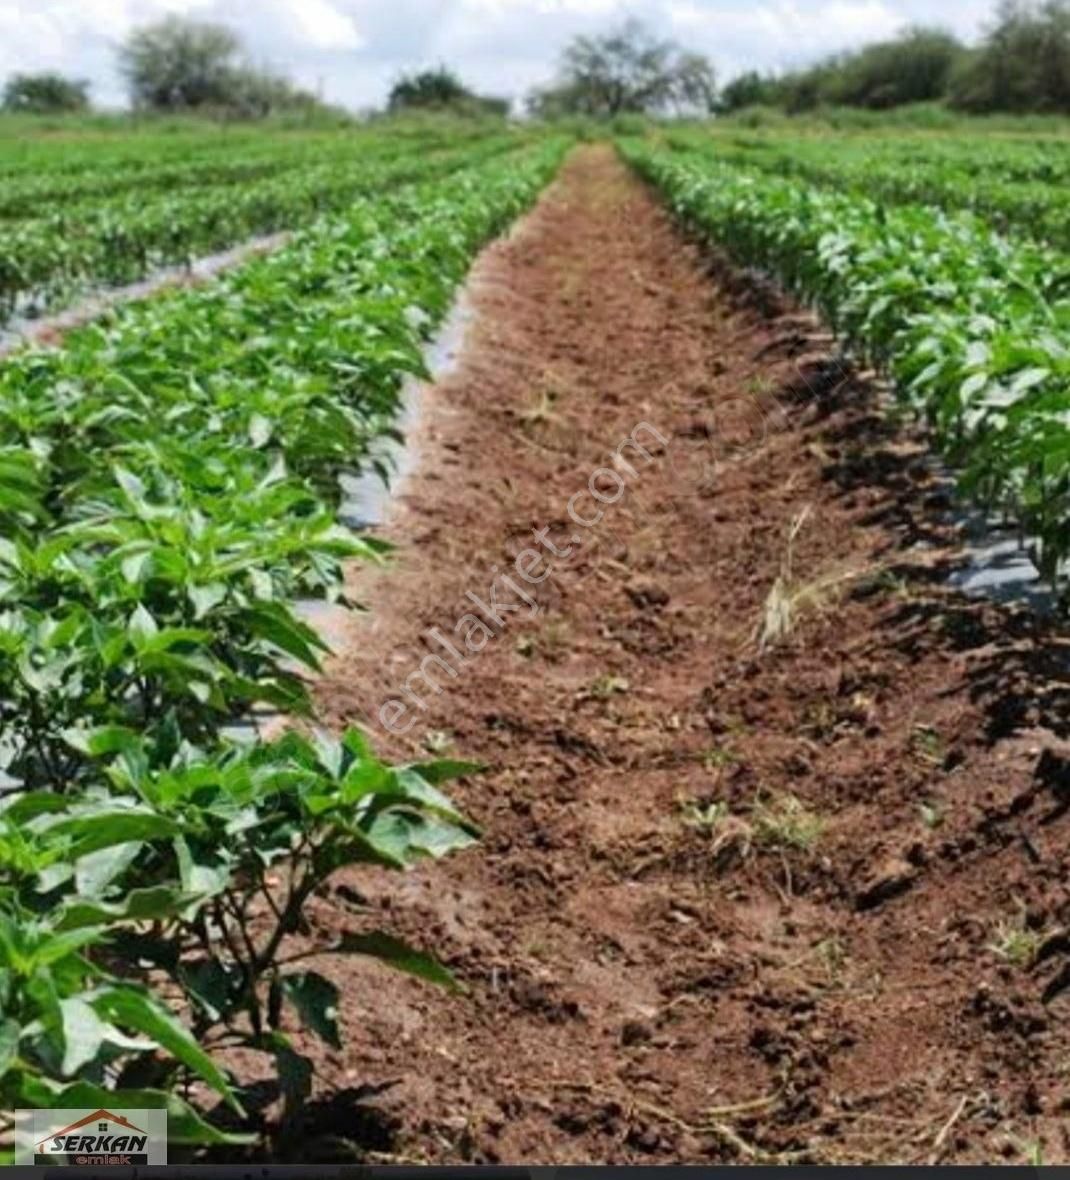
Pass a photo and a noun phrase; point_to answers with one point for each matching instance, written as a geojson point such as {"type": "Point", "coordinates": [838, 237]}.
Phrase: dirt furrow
{"type": "Point", "coordinates": [774, 846]}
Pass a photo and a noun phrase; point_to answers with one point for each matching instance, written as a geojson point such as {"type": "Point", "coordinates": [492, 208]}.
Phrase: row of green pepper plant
{"type": "Point", "coordinates": [55, 174]}
{"type": "Point", "coordinates": [973, 329]}
{"type": "Point", "coordinates": [47, 261]}
{"type": "Point", "coordinates": [47, 192]}
{"type": "Point", "coordinates": [168, 490]}
{"type": "Point", "coordinates": [1020, 188]}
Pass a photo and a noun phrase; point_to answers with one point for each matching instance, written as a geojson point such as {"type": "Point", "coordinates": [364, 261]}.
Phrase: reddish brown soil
{"type": "Point", "coordinates": [664, 962]}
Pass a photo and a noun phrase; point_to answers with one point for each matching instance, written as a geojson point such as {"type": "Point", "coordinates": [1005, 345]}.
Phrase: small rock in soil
{"type": "Point", "coordinates": [645, 594]}
{"type": "Point", "coordinates": [892, 878]}
{"type": "Point", "coordinates": [635, 1032]}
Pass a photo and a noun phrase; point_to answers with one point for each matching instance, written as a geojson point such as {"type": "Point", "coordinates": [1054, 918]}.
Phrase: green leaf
{"type": "Point", "coordinates": [397, 954]}
{"type": "Point", "coordinates": [407, 837]}
{"type": "Point", "coordinates": [215, 987]}
{"type": "Point", "coordinates": [102, 741]}
{"type": "Point", "coordinates": [10, 1034]}
{"type": "Point", "coordinates": [84, 1034]}
{"type": "Point", "coordinates": [1028, 378]}
{"type": "Point", "coordinates": [206, 598]}
{"type": "Point", "coordinates": [316, 1001]}
{"type": "Point", "coordinates": [136, 566]}
{"type": "Point", "coordinates": [274, 622]}
{"type": "Point", "coordinates": [59, 944]}
{"type": "Point", "coordinates": [140, 905]}
{"type": "Point", "coordinates": [90, 833]}
{"type": "Point", "coordinates": [170, 637]}
{"type": "Point", "coordinates": [130, 484]}
{"type": "Point", "coordinates": [973, 385]}
{"type": "Point", "coordinates": [93, 874]}
{"type": "Point", "coordinates": [203, 872]}
{"type": "Point", "coordinates": [129, 1007]}
{"type": "Point", "coordinates": [142, 626]}
{"type": "Point", "coordinates": [415, 787]}
{"type": "Point", "coordinates": [24, 808]}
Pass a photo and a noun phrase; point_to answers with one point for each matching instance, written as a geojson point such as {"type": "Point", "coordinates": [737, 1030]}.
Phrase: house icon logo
{"type": "Point", "coordinates": [91, 1137]}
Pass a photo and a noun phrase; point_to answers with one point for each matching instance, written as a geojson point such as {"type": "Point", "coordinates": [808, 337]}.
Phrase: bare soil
{"type": "Point", "coordinates": [801, 900]}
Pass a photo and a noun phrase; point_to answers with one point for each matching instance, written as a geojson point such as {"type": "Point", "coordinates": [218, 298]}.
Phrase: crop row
{"type": "Point", "coordinates": [1013, 158]}
{"type": "Point", "coordinates": [1018, 191]}
{"type": "Point", "coordinates": [216, 160]}
{"type": "Point", "coordinates": [58, 157]}
{"type": "Point", "coordinates": [168, 489]}
{"type": "Point", "coordinates": [43, 195]}
{"type": "Point", "coordinates": [48, 260]}
{"type": "Point", "coordinates": [974, 329]}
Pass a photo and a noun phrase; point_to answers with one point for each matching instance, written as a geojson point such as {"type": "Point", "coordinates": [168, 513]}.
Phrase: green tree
{"type": "Point", "coordinates": [256, 93]}
{"type": "Point", "coordinates": [806, 89]}
{"type": "Point", "coordinates": [180, 64]}
{"type": "Point", "coordinates": [183, 65]}
{"type": "Point", "coordinates": [626, 71]}
{"type": "Point", "coordinates": [45, 93]}
{"type": "Point", "coordinates": [442, 89]}
{"type": "Point", "coordinates": [429, 88]}
{"type": "Point", "coordinates": [750, 89]}
{"type": "Point", "coordinates": [694, 83]}
{"type": "Point", "coordinates": [916, 66]}
{"type": "Point", "coordinates": [1023, 63]}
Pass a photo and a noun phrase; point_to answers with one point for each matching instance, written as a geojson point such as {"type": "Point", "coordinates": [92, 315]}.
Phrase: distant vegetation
{"type": "Point", "coordinates": [627, 71]}
{"type": "Point", "coordinates": [441, 90]}
{"type": "Point", "coordinates": [1021, 66]}
{"type": "Point", "coordinates": [180, 65]}
{"type": "Point", "coordinates": [44, 94]}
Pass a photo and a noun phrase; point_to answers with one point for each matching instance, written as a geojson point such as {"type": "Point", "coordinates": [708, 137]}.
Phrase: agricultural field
{"type": "Point", "coordinates": [148, 585]}
{"type": "Point", "coordinates": [954, 285]}
{"type": "Point", "coordinates": [662, 797]}
{"type": "Point", "coordinates": [113, 212]}
{"type": "Point", "coordinates": [1016, 183]}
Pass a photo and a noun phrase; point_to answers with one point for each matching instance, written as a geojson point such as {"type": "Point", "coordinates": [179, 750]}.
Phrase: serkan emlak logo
{"type": "Point", "coordinates": [98, 1137]}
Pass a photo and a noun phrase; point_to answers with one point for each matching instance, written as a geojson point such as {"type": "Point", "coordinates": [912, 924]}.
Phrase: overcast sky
{"type": "Point", "coordinates": [353, 49]}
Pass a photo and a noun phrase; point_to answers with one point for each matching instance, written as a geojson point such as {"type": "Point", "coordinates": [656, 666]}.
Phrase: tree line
{"type": "Point", "coordinates": [173, 65]}
{"type": "Point", "coordinates": [1022, 64]}
{"type": "Point", "coordinates": [184, 65]}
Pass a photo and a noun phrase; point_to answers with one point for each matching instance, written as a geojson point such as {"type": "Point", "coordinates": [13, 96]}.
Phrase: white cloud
{"type": "Point", "coordinates": [783, 32]}
{"type": "Point", "coordinates": [544, 7]}
{"type": "Point", "coordinates": [320, 25]}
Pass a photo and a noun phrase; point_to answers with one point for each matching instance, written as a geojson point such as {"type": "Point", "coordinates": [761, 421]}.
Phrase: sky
{"type": "Point", "coordinates": [352, 50]}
